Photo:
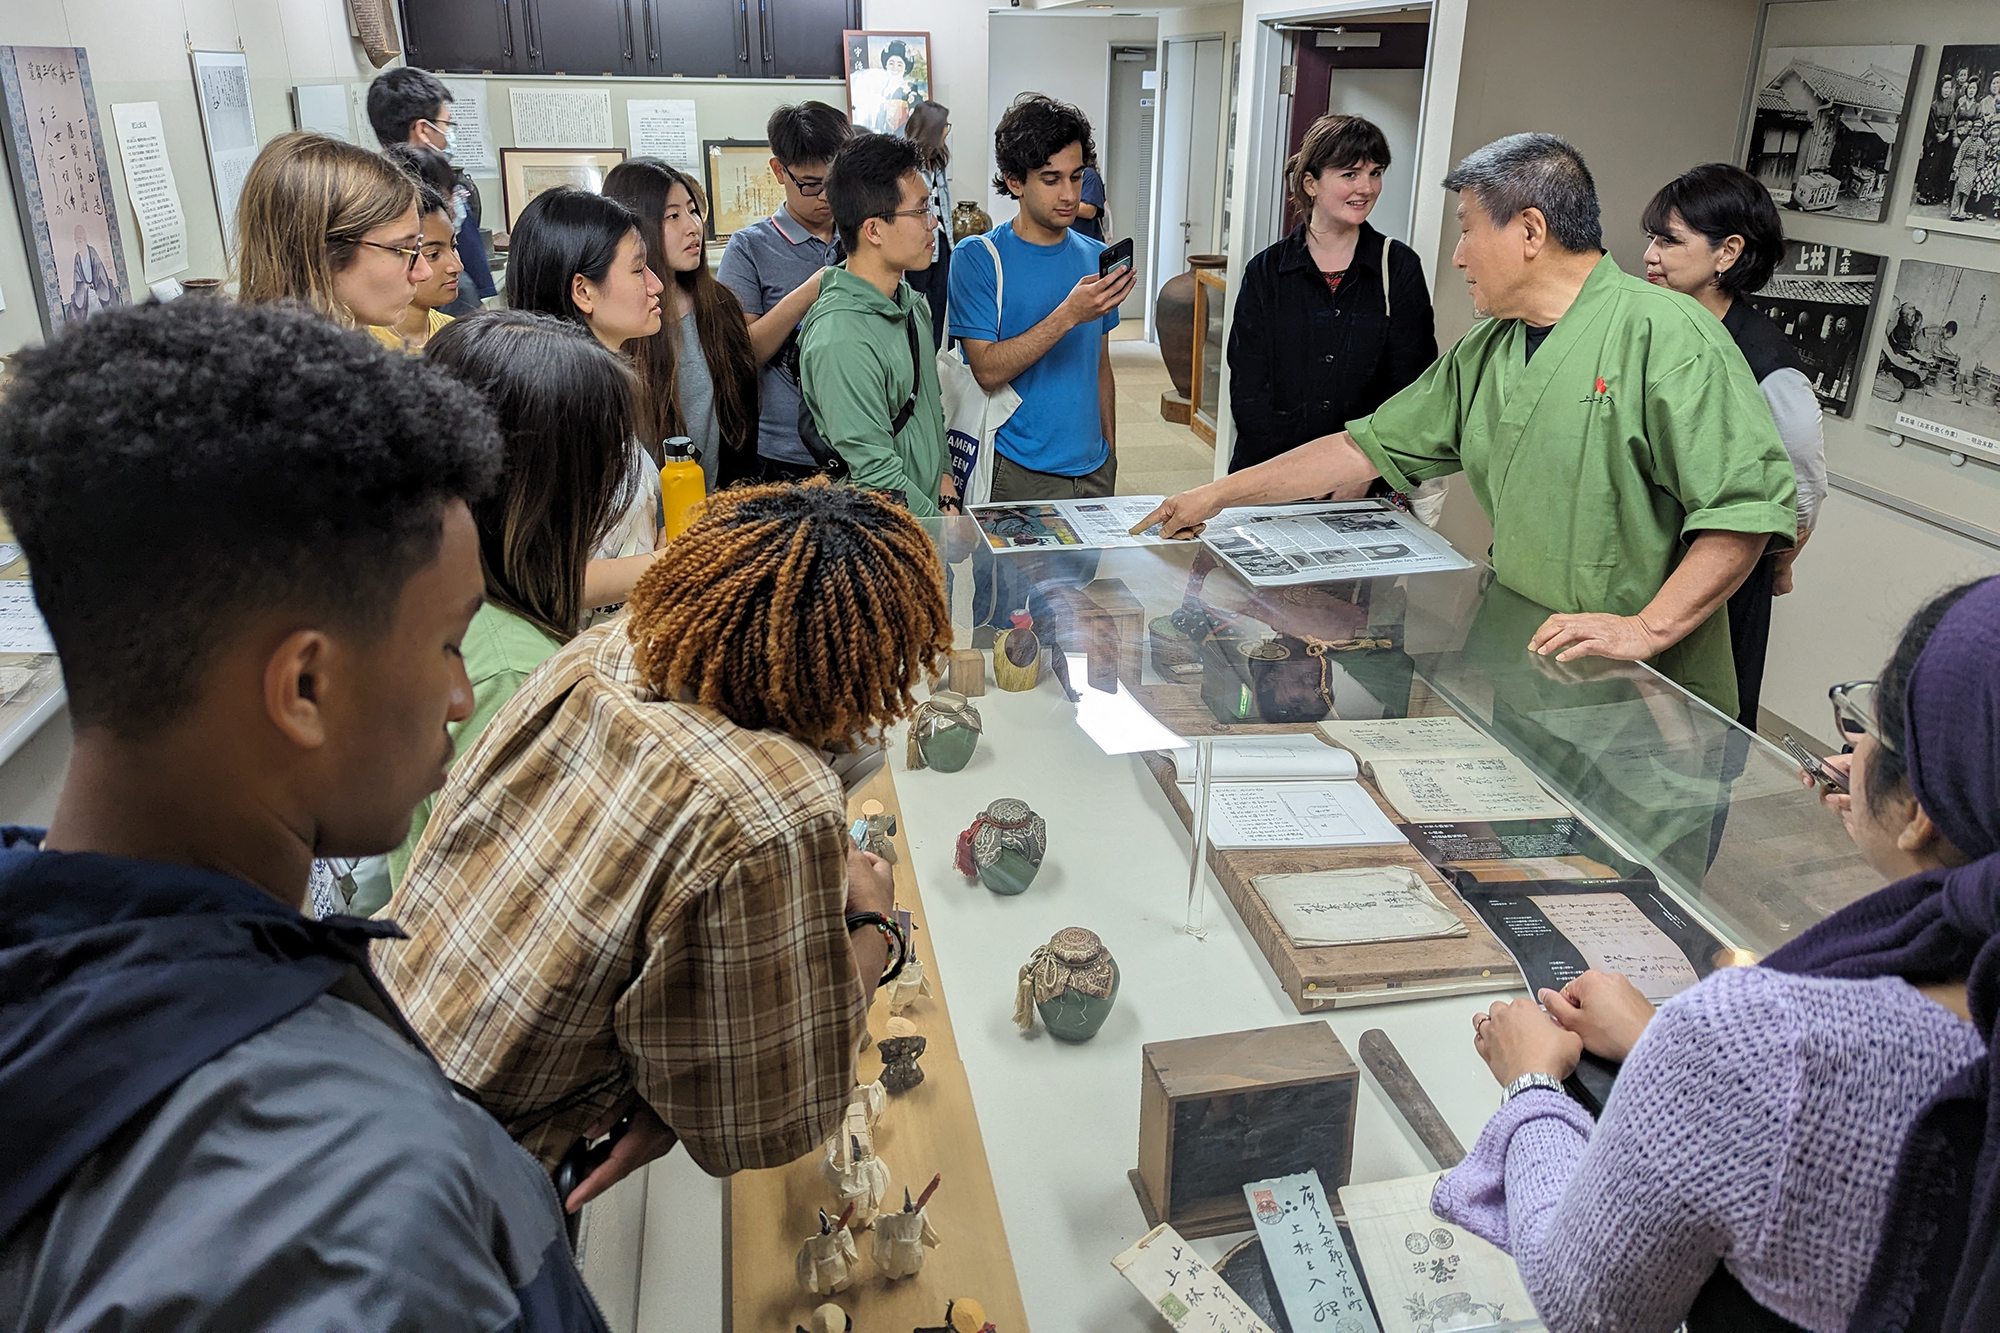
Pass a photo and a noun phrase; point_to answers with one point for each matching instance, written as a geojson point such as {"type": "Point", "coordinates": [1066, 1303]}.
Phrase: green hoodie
{"type": "Point", "coordinates": [854, 370]}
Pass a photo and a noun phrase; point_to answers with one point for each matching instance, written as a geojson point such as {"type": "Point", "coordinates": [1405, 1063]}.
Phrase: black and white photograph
{"type": "Point", "coordinates": [1361, 522]}
{"type": "Point", "coordinates": [1820, 298]}
{"type": "Point", "coordinates": [1825, 124]}
{"type": "Point", "coordinates": [1938, 376]}
{"type": "Point", "coordinates": [1958, 173]}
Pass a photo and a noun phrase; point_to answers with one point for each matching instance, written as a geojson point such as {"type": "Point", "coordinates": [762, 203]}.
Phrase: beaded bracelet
{"type": "Point", "coordinates": [900, 947]}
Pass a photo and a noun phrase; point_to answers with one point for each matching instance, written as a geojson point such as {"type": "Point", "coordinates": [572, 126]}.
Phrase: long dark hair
{"type": "Point", "coordinates": [561, 233]}
{"type": "Point", "coordinates": [642, 186]}
{"type": "Point", "coordinates": [565, 404]}
{"type": "Point", "coordinates": [925, 128]}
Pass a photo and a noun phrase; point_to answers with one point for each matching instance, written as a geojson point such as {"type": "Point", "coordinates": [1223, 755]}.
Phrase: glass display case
{"type": "Point", "coordinates": [1165, 636]}
{"type": "Point", "coordinates": [1211, 308]}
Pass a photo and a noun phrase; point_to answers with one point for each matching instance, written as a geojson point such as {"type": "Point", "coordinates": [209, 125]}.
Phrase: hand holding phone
{"type": "Point", "coordinates": [1832, 779]}
{"type": "Point", "coordinates": [1114, 258]}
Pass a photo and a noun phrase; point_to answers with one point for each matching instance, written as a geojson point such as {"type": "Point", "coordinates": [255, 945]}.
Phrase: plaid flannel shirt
{"type": "Point", "coordinates": [619, 891]}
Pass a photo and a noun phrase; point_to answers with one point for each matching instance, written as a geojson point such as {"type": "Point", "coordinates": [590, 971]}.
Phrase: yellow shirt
{"type": "Point", "coordinates": [396, 342]}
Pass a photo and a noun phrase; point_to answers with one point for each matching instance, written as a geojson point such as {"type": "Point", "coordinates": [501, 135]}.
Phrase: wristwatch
{"type": "Point", "coordinates": [899, 947]}
{"type": "Point", "coordinates": [1535, 1080]}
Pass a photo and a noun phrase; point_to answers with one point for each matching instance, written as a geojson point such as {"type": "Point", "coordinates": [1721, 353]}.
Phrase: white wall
{"type": "Point", "coordinates": [1392, 99]}
{"type": "Point", "coordinates": [1067, 58]}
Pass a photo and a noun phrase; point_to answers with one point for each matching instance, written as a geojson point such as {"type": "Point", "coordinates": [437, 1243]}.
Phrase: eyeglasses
{"type": "Point", "coordinates": [441, 126]}
{"type": "Point", "coordinates": [927, 212]}
{"type": "Point", "coordinates": [410, 254]}
{"type": "Point", "coordinates": [1854, 712]}
{"type": "Point", "coordinates": [811, 188]}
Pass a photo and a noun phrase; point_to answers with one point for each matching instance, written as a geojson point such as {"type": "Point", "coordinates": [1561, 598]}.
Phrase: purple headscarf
{"type": "Point", "coordinates": [1939, 1264]}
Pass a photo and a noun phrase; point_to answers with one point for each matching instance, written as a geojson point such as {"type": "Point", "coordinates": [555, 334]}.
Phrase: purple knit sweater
{"type": "Point", "coordinates": [1758, 1123]}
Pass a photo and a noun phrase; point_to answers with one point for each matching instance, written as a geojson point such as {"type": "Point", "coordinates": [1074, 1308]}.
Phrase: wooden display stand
{"type": "Point", "coordinates": [1350, 974]}
{"type": "Point", "coordinates": [931, 1129]}
{"type": "Point", "coordinates": [1107, 622]}
{"type": "Point", "coordinates": [1218, 1112]}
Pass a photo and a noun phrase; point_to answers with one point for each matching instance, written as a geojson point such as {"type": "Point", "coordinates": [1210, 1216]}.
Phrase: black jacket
{"type": "Point", "coordinates": [1303, 361]}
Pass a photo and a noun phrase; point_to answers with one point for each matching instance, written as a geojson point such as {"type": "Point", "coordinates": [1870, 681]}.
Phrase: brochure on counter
{"type": "Point", "coordinates": [1269, 545]}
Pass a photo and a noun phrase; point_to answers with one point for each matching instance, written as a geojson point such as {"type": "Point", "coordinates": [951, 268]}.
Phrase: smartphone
{"type": "Point", "coordinates": [1114, 257]}
{"type": "Point", "coordinates": [1826, 777]}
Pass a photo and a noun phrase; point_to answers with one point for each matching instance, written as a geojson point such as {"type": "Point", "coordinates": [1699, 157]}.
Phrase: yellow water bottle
{"type": "Point", "coordinates": [681, 485]}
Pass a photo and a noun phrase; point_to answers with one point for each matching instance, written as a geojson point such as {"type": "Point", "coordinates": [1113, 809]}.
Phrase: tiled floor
{"type": "Point", "coordinates": [1155, 457]}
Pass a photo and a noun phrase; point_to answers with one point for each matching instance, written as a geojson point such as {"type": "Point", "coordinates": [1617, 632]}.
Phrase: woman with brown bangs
{"type": "Point", "coordinates": [331, 226]}
{"type": "Point", "coordinates": [698, 374]}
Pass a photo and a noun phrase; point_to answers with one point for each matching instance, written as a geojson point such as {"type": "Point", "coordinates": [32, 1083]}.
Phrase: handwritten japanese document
{"type": "Point", "coordinates": [1269, 757]}
{"type": "Point", "coordinates": [1425, 1274]}
{"type": "Point", "coordinates": [1410, 738]}
{"type": "Point", "coordinates": [561, 117]}
{"type": "Point", "coordinates": [1174, 1280]}
{"type": "Point", "coordinates": [22, 629]}
{"type": "Point", "coordinates": [1296, 814]}
{"type": "Point", "coordinates": [222, 82]}
{"type": "Point", "coordinates": [1307, 1258]}
{"type": "Point", "coordinates": [1369, 905]}
{"type": "Point", "coordinates": [1613, 935]}
{"type": "Point", "coordinates": [1480, 787]}
{"type": "Point", "coordinates": [149, 178]}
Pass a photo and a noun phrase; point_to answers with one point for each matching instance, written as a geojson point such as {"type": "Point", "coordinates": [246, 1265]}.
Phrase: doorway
{"type": "Point", "coordinates": [1192, 77]}
{"type": "Point", "coordinates": [1375, 71]}
{"type": "Point", "coordinates": [1128, 161]}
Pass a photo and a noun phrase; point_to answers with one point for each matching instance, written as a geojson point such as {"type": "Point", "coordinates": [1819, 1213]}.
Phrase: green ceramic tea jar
{"type": "Point", "coordinates": [1071, 982]}
{"type": "Point", "coordinates": [1004, 846]}
{"type": "Point", "coordinates": [944, 733]}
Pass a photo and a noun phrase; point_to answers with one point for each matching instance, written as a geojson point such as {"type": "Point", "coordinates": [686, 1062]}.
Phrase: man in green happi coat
{"type": "Point", "coordinates": [1609, 428]}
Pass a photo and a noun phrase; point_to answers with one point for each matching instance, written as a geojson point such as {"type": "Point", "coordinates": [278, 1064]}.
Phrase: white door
{"type": "Point", "coordinates": [1127, 152]}
{"type": "Point", "coordinates": [1394, 100]}
{"type": "Point", "coordinates": [1190, 154]}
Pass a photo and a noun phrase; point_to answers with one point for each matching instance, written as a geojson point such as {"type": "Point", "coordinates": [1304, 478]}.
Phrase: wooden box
{"type": "Point", "coordinates": [1106, 622]}
{"type": "Point", "coordinates": [1220, 1111]}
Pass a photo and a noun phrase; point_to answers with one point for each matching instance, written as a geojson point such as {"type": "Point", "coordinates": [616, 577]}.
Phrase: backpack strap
{"type": "Point", "coordinates": [1386, 310]}
{"type": "Point", "coordinates": [999, 285]}
{"type": "Point", "coordinates": [909, 408]}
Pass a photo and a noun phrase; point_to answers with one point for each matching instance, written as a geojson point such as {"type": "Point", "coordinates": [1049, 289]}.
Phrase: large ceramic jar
{"type": "Point", "coordinates": [1071, 981]}
{"type": "Point", "coordinates": [1173, 320]}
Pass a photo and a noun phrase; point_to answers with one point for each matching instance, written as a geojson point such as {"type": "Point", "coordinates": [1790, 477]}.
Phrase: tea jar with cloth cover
{"type": "Point", "coordinates": [944, 733]}
{"type": "Point", "coordinates": [1071, 982]}
{"type": "Point", "coordinates": [1003, 848]}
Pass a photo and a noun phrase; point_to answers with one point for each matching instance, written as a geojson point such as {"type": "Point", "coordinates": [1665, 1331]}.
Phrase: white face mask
{"type": "Point", "coordinates": [450, 140]}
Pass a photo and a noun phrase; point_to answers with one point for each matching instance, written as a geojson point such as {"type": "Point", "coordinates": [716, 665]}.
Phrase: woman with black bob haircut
{"type": "Point", "coordinates": [1335, 318]}
{"type": "Point", "coordinates": [583, 258]}
{"type": "Point", "coordinates": [1714, 234]}
{"type": "Point", "coordinates": [565, 407]}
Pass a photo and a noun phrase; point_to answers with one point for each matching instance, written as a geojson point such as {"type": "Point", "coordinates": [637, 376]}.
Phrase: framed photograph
{"type": "Point", "coordinates": [62, 185]}
{"type": "Point", "coordinates": [741, 186]}
{"type": "Point", "coordinates": [1826, 123]}
{"type": "Point", "coordinates": [888, 73]}
{"type": "Point", "coordinates": [1958, 164]}
{"type": "Point", "coordinates": [1937, 377]}
{"type": "Point", "coordinates": [526, 172]}
{"type": "Point", "coordinates": [1820, 298]}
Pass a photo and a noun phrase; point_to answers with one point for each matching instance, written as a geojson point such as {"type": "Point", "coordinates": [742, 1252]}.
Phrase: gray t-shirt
{"type": "Point", "coordinates": [698, 399]}
{"type": "Point", "coordinates": [763, 264]}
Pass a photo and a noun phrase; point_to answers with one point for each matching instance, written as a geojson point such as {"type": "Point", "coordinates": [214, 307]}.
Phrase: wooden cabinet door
{"type": "Point", "coordinates": [465, 36]}
{"type": "Point", "coordinates": [583, 36]}
{"type": "Point", "coordinates": [702, 38]}
{"type": "Point", "coordinates": [801, 38]}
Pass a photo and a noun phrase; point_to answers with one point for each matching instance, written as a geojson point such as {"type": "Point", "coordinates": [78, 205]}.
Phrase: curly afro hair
{"type": "Point", "coordinates": [1033, 130]}
{"type": "Point", "coordinates": [172, 470]}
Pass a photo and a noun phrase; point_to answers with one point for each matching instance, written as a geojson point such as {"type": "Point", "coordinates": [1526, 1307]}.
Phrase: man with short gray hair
{"type": "Point", "coordinates": [1609, 428]}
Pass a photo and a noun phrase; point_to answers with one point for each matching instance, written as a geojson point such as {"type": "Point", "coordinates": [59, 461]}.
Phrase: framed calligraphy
{"type": "Point", "coordinates": [62, 183]}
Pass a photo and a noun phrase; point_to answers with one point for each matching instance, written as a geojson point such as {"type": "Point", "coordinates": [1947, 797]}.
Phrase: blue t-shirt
{"type": "Point", "coordinates": [1056, 428]}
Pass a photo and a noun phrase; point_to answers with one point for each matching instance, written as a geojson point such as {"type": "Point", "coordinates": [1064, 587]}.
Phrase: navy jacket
{"type": "Point", "coordinates": [1303, 361]}
{"type": "Point", "coordinates": [215, 1118]}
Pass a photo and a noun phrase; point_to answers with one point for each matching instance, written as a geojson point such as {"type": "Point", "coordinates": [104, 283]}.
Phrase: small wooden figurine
{"type": "Point", "coordinates": [907, 986]}
{"type": "Point", "coordinates": [901, 1238]}
{"type": "Point", "coordinates": [944, 733]}
{"type": "Point", "coordinates": [962, 1315]}
{"type": "Point", "coordinates": [881, 832]}
{"type": "Point", "coordinates": [829, 1318]}
{"type": "Point", "coordinates": [1004, 846]}
{"type": "Point", "coordinates": [1017, 656]}
{"type": "Point", "coordinates": [899, 1051]}
{"type": "Point", "coordinates": [965, 672]}
{"type": "Point", "coordinates": [859, 1178]}
{"type": "Point", "coordinates": [1071, 981]}
{"type": "Point", "coordinates": [827, 1259]}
